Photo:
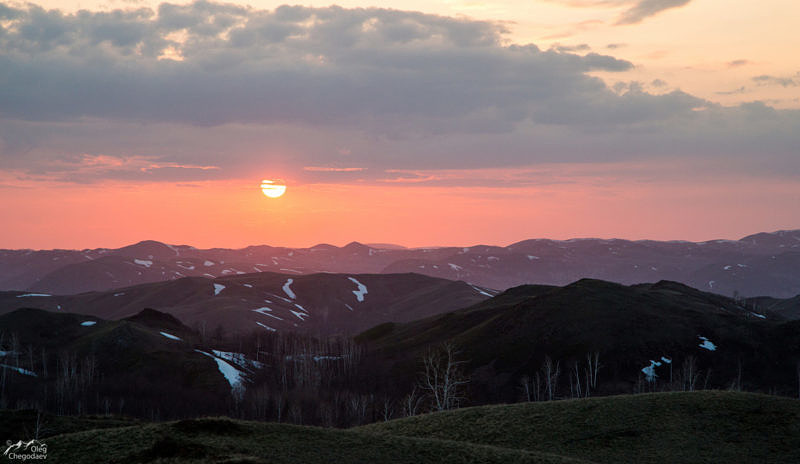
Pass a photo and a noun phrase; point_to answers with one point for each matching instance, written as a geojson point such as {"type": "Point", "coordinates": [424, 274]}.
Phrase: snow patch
{"type": "Point", "coordinates": [170, 336]}
{"type": "Point", "coordinates": [348, 306]}
{"type": "Point", "coordinates": [707, 344]}
{"type": "Point", "coordinates": [33, 294]}
{"type": "Point", "coordinates": [532, 257]}
{"type": "Point", "coordinates": [760, 316]}
{"type": "Point", "coordinates": [455, 267]}
{"type": "Point", "coordinates": [119, 294]}
{"type": "Point", "coordinates": [218, 288]}
{"type": "Point", "coordinates": [208, 263]}
{"type": "Point", "coordinates": [288, 290]}
{"type": "Point", "coordinates": [267, 327]}
{"type": "Point", "coordinates": [237, 358]}
{"type": "Point", "coordinates": [20, 370]}
{"type": "Point", "coordinates": [248, 285]}
{"type": "Point", "coordinates": [362, 289]}
{"type": "Point", "coordinates": [650, 371]}
{"type": "Point", "coordinates": [299, 314]}
{"type": "Point", "coordinates": [666, 360]}
{"type": "Point", "coordinates": [479, 290]}
{"type": "Point", "coordinates": [231, 374]}
{"type": "Point", "coordinates": [88, 323]}
{"type": "Point", "coordinates": [143, 262]}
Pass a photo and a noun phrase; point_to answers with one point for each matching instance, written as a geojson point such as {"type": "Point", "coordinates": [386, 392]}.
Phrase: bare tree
{"type": "Point", "coordinates": [412, 402]}
{"type": "Point", "coordinates": [593, 359]}
{"type": "Point", "coordinates": [689, 373]}
{"type": "Point", "coordinates": [526, 384]}
{"type": "Point", "coordinates": [551, 372]}
{"type": "Point", "coordinates": [442, 378]}
{"type": "Point", "coordinates": [387, 410]}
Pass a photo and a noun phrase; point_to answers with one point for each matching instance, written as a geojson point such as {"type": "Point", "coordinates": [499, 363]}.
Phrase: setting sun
{"type": "Point", "coordinates": [272, 188]}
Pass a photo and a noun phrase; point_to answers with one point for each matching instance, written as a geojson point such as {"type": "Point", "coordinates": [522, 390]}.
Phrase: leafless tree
{"type": "Point", "coordinates": [387, 408]}
{"type": "Point", "coordinates": [689, 373]}
{"type": "Point", "coordinates": [593, 360]}
{"type": "Point", "coordinates": [412, 403]}
{"type": "Point", "coordinates": [575, 384]}
{"type": "Point", "coordinates": [442, 378]}
{"type": "Point", "coordinates": [551, 372]}
{"type": "Point", "coordinates": [526, 385]}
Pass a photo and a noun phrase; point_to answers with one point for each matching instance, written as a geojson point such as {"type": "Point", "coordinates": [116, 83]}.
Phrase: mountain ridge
{"type": "Point", "coordinates": [761, 264]}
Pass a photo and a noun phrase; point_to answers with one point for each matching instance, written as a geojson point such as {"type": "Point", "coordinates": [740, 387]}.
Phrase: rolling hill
{"type": "Point", "coordinates": [707, 427]}
{"type": "Point", "coordinates": [321, 304]}
{"type": "Point", "coordinates": [147, 365]}
{"type": "Point", "coordinates": [649, 337]}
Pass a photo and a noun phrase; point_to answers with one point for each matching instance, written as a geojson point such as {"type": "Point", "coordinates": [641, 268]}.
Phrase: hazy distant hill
{"type": "Point", "coordinates": [667, 329]}
{"type": "Point", "coordinates": [763, 264]}
{"type": "Point", "coordinates": [321, 304]}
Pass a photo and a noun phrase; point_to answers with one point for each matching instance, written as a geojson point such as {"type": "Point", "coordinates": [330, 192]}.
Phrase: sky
{"type": "Point", "coordinates": [421, 123]}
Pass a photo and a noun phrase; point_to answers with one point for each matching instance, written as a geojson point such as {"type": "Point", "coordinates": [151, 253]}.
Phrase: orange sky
{"type": "Point", "coordinates": [691, 131]}
{"type": "Point", "coordinates": [236, 213]}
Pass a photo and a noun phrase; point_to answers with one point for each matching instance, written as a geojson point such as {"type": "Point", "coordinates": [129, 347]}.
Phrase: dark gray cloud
{"type": "Point", "coordinates": [642, 9]}
{"type": "Point", "coordinates": [211, 91]}
{"type": "Point", "coordinates": [289, 65]}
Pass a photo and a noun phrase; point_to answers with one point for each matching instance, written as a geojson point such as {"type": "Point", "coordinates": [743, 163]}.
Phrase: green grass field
{"type": "Point", "coordinates": [698, 427]}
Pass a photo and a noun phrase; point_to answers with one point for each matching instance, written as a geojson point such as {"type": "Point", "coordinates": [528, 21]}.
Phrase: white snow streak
{"type": "Point", "coordinates": [33, 294]}
{"type": "Point", "coordinates": [218, 288]}
{"type": "Point", "coordinates": [88, 323]}
{"type": "Point", "coordinates": [480, 290]}
{"type": "Point", "coordinates": [266, 312]}
{"type": "Point", "coordinates": [20, 370]}
{"type": "Point", "coordinates": [232, 375]}
{"type": "Point", "coordinates": [143, 262]}
{"type": "Point", "coordinates": [288, 290]}
{"type": "Point", "coordinates": [170, 336]}
{"type": "Point", "coordinates": [650, 371]}
{"type": "Point", "coordinates": [707, 344]}
{"type": "Point", "coordinates": [362, 289]}
{"type": "Point", "coordinates": [267, 327]}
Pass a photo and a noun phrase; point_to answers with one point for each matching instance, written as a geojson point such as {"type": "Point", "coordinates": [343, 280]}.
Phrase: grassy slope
{"type": "Point", "coordinates": [699, 427]}
{"type": "Point", "coordinates": [226, 440]}
{"type": "Point", "coordinates": [508, 336]}
{"type": "Point", "coordinates": [21, 424]}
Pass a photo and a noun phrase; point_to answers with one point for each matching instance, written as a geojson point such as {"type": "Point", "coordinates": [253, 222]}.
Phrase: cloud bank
{"type": "Point", "coordinates": [213, 90]}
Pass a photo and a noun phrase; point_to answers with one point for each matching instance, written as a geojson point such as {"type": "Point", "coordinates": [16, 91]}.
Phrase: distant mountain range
{"type": "Point", "coordinates": [764, 264]}
{"type": "Point", "coordinates": [319, 304]}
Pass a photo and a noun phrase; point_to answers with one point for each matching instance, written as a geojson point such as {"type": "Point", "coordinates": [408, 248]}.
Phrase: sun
{"type": "Point", "coordinates": [273, 188]}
